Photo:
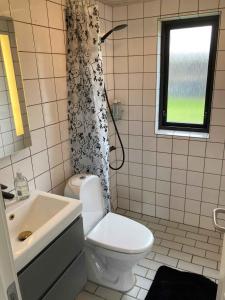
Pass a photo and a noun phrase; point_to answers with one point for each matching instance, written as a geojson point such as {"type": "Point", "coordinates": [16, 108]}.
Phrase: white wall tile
{"type": "Point", "coordinates": [55, 155]}
{"type": "Point", "coordinates": [38, 139]}
{"type": "Point", "coordinates": [42, 39]}
{"type": "Point", "coordinates": [135, 28]}
{"type": "Point", "coordinates": [150, 45]}
{"type": "Point", "coordinates": [62, 109]}
{"type": "Point", "coordinates": [213, 166]}
{"type": "Point", "coordinates": [120, 65]}
{"type": "Point", "coordinates": [120, 13]}
{"type": "Point", "coordinates": [50, 112]}
{"type": "Point", "coordinates": [32, 92]}
{"type": "Point", "coordinates": [197, 148]}
{"type": "Point", "coordinates": [211, 181]}
{"type": "Point", "coordinates": [194, 178]}
{"type": "Point", "coordinates": [35, 117]}
{"type": "Point", "coordinates": [135, 11]}
{"type": "Point", "coordinates": [64, 131]}
{"type": "Point", "coordinates": [207, 4]}
{"type": "Point", "coordinates": [28, 65]}
{"type": "Point", "coordinates": [61, 88]}
{"type": "Point", "coordinates": [135, 46]}
{"type": "Point", "coordinates": [191, 219]}
{"type": "Point", "coordinates": [136, 64]}
{"type": "Point", "coordinates": [59, 64]}
{"type": "Point", "coordinates": [45, 66]}
{"type": "Point", "coordinates": [135, 81]}
{"type": "Point", "coordinates": [43, 182]}
{"type": "Point", "coordinates": [195, 164]}
{"type": "Point", "coordinates": [55, 15]}
{"type": "Point", "coordinates": [39, 12]}
{"type": "Point", "coordinates": [188, 6]}
{"type": "Point", "coordinates": [24, 37]}
{"type": "Point", "coordinates": [152, 8]}
{"type": "Point", "coordinates": [40, 163]}
{"type": "Point", "coordinates": [179, 161]}
{"type": "Point", "coordinates": [120, 47]}
{"type": "Point", "coordinates": [57, 175]}
{"type": "Point", "coordinates": [214, 150]}
{"type": "Point", "coordinates": [20, 10]}
{"type": "Point", "coordinates": [150, 26]}
{"type": "Point", "coordinates": [52, 135]}
{"type": "Point", "coordinates": [193, 206]}
{"type": "Point", "coordinates": [57, 41]}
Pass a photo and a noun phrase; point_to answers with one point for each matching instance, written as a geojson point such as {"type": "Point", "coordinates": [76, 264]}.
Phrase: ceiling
{"type": "Point", "coordinates": [122, 2]}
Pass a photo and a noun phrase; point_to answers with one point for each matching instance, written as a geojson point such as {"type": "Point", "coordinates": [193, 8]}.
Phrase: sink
{"type": "Point", "coordinates": [44, 216]}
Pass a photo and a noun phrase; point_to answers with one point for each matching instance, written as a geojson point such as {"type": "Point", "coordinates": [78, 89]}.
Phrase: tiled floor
{"type": "Point", "coordinates": [176, 245]}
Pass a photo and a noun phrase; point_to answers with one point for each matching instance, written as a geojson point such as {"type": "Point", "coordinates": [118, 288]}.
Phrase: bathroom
{"type": "Point", "coordinates": [172, 178]}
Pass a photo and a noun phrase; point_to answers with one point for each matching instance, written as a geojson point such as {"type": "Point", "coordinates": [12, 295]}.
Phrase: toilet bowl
{"type": "Point", "coordinates": [114, 244]}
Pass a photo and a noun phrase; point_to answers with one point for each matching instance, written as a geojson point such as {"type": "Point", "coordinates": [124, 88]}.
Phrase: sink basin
{"type": "Point", "coordinates": [44, 216]}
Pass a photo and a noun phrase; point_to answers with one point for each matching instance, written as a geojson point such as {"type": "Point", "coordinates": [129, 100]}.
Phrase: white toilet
{"type": "Point", "coordinates": [114, 244]}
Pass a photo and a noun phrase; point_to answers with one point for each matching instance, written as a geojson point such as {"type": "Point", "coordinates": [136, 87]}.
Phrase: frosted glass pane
{"type": "Point", "coordinates": [188, 69]}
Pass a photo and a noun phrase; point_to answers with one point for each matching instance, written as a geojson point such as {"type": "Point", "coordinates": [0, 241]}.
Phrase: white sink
{"type": "Point", "coordinates": [46, 216]}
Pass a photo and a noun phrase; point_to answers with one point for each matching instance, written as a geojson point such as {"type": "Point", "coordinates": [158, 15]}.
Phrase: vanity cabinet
{"type": "Point", "coordinates": [58, 272]}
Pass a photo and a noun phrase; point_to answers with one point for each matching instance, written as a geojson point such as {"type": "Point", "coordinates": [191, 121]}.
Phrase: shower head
{"type": "Point", "coordinates": [117, 28]}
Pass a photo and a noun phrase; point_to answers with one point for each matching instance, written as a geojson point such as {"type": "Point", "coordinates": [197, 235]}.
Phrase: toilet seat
{"type": "Point", "coordinates": [120, 234]}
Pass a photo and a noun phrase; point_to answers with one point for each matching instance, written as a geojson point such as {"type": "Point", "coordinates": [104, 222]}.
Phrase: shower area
{"type": "Point", "coordinates": [174, 178]}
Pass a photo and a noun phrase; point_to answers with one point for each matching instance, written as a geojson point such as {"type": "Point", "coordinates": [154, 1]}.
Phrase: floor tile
{"type": "Point", "coordinates": [180, 255]}
{"type": "Point", "coordinates": [206, 246]}
{"type": "Point", "coordinates": [134, 292]}
{"type": "Point", "coordinates": [171, 245]}
{"type": "Point", "coordinates": [143, 282]}
{"type": "Point", "coordinates": [204, 262]}
{"type": "Point", "coordinates": [193, 250]}
{"type": "Point", "coordinates": [142, 294]}
{"type": "Point", "coordinates": [140, 270]}
{"type": "Point", "coordinates": [108, 293]}
{"type": "Point", "coordinates": [166, 260]}
{"type": "Point", "coordinates": [186, 266]}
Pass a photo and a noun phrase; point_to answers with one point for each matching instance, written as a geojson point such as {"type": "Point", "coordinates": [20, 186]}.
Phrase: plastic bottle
{"type": "Point", "coordinates": [21, 187]}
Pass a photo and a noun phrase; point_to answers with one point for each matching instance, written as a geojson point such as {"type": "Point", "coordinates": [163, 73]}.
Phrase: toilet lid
{"type": "Point", "coordinates": [118, 233]}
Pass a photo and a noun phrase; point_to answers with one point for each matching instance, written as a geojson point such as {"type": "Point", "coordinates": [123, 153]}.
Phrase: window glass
{"type": "Point", "coordinates": [188, 70]}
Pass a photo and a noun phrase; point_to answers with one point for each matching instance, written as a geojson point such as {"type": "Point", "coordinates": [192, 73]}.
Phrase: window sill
{"type": "Point", "coordinates": [201, 135]}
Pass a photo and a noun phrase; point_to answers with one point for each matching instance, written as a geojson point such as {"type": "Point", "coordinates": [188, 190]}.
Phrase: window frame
{"type": "Point", "coordinates": [164, 72]}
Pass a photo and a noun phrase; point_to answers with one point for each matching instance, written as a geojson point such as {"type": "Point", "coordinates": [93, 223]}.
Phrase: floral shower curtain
{"type": "Point", "coordinates": [87, 111]}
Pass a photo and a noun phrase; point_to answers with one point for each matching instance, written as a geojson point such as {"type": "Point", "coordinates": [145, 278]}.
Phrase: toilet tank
{"type": "Point", "coordinates": [87, 188]}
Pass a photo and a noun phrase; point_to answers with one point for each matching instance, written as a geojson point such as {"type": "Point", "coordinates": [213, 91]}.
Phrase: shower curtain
{"type": "Point", "coordinates": [87, 111]}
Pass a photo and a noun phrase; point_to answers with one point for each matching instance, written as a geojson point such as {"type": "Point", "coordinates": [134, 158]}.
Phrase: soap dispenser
{"type": "Point", "coordinates": [21, 187]}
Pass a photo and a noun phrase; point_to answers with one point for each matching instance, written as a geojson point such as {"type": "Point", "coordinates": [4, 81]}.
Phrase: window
{"type": "Point", "coordinates": [188, 52]}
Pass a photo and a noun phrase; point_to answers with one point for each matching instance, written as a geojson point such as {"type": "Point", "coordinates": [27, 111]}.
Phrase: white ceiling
{"type": "Point", "coordinates": [122, 2]}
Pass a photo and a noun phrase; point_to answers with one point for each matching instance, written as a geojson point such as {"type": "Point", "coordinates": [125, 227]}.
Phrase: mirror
{"type": "Point", "coordinates": [14, 128]}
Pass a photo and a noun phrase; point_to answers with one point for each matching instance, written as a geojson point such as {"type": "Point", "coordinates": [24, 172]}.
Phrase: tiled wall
{"type": "Point", "coordinates": [180, 179]}
{"type": "Point", "coordinates": [41, 36]}
{"type": "Point", "coordinates": [175, 178]}
{"type": "Point", "coordinates": [40, 33]}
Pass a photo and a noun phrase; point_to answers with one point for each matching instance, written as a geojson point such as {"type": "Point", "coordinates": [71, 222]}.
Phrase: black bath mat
{"type": "Point", "coordinates": [170, 284]}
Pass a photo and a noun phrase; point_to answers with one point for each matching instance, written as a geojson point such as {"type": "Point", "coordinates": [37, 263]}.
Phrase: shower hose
{"type": "Point", "coordinates": [118, 134]}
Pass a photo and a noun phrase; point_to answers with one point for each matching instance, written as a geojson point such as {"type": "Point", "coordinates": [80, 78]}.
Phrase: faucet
{"type": "Point", "coordinates": [6, 195]}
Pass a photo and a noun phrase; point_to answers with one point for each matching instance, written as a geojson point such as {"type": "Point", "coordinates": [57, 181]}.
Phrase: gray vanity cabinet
{"type": "Point", "coordinates": [58, 272]}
